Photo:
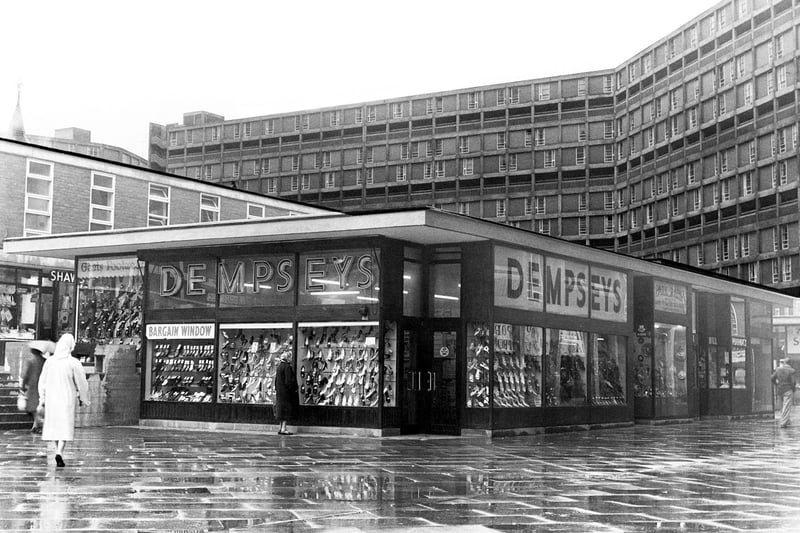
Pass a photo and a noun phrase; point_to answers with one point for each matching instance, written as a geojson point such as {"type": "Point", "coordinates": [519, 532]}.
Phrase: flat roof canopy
{"type": "Point", "coordinates": [420, 226]}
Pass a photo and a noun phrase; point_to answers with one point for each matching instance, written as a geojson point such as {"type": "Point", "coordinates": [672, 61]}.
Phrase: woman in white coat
{"type": "Point", "coordinates": [62, 384]}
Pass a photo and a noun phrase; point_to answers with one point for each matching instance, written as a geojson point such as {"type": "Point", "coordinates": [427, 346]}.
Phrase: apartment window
{"type": "Point", "coordinates": [715, 193]}
{"type": "Point", "coordinates": [236, 170]}
{"type": "Point", "coordinates": [608, 200]}
{"type": "Point", "coordinates": [726, 252]}
{"type": "Point", "coordinates": [400, 173]}
{"type": "Point", "coordinates": [674, 178]}
{"type": "Point", "coordinates": [527, 139]}
{"type": "Point", "coordinates": [272, 185]}
{"type": "Point", "coordinates": [429, 106]}
{"type": "Point", "coordinates": [503, 164]}
{"type": "Point", "coordinates": [581, 203]}
{"type": "Point", "coordinates": [427, 171]}
{"type": "Point", "coordinates": [439, 146]}
{"type": "Point", "coordinates": [723, 162]}
{"type": "Point", "coordinates": [691, 172]}
{"type": "Point", "coordinates": [370, 176]}
{"type": "Point", "coordinates": [209, 208]}
{"type": "Point", "coordinates": [208, 171]}
{"type": "Point", "coordinates": [370, 154]}
{"type": "Point", "coordinates": [248, 129]}
{"type": "Point", "coordinates": [781, 77]}
{"type": "Point", "coordinates": [661, 179]}
{"type": "Point", "coordinates": [631, 121]}
{"type": "Point", "coordinates": [647, 63]}
{"type": "Point", "coordinates": [696, 199]}
{"type": "Point", "coordinates": [359, 118]}
{"type": "Point", "coordinates": [782, 141]}
{"type": "Point", "coordinates": [693, 118]}
{"type": "Point", "coordinates": [512, 162]}
{"type": "Point", "coordinates": [306, 122]}
{"type": "Point", "coordinates": [543, 226]}
{"type": "Point", "coordinates": [189, 136]}
{"type": "Point", "coordinates": [779, 46]}
{"type": "Point", "coordinates": [752, 272]}
{"type": "Point", "coordinates": [425, 148]}
{"type": "Point", "coordinates": [747, 183]}
{"type": "Point", "coordinates": [467, 166]}
{"type": "Point", "coordinates": [528, 208]}
{"type": "Point", "coordinates": [255, 211]}
{"type": "Point", "coordinates": [297, 123]}
{"type": "Point", "coordinates": [549, 158]}
{"type": "Point", "coordinates": [329, 179]}
{"type": "Point", "coordinates": [372, 113]}
{"type": "Point", "coordinates": [620, 198]}
{"type": "Point", "coordinates": [439, 104]}
{"type": "Point", "coordinates": [770, 84]}
{"type": "Point", "coordinates": [540, 206]}
{"type": "Point", "coordinates": [775, 239]}
{"type": "Point", "coordinates": [608, 153]}
{"type": "Point", "coordinates": [237, 131]}
{"type": "Point", "coordinates": [632, 71]}
{"type": "Point", "coordinates": [633, 194]}
{"type": "Point", "coordinates": [582, 132]}
{"type": "Point", "coordinates": [608, 86]}
{"type": "Point", "coordinates": [540, 136]}
{"type": "Point", "coordinates": [173, 138]}
{"type": "Point", "coordinates": [745, 245]}
{"type": "Point", "coordinates": [335, 118]}
{"type": "Point", "coordinates": [440, 169]}
{"type": "Point", "coordinates": [784, 230]}
{"type": "Point", "coordinates": [158, 205]}
{"type": "Point", "coordinates": [215, 134]}
{"type": "Point", "coordinates": [500, 208]}
{"type": "Point", "coordinates": [463, 208]}
{"type": "Point", "coordinates": [501, 141]}
{"type": "Point", "coordinates": [295, 183]}
{"type": "Point", "coordinates": [649, 213]}
{"type": "Point", "coordinates": [544, 91]}
{"type": "Point", "coordinates": [673, 127]}
{"type": "Point", "coordinates": [295, 162]}
{"type": "Point", "coordinates": [198, 173]}
{"type": "Point", "coordinates": [674, 206]}
{"type": "Point", "coordinates": [651, 137]}
{"type": "Point", "coordinates": [621, 222]}
{"type": "Point", "coordinates": [634, 219]}
{"type": "Point", "coordinates": [786, 268]}
{"type": "Point", "coordinates": [582, 226]}
{"type": "Point", "coordinates": [513, 95]}
{"type": "Point", "coordinates": [692, 37]}
{"type": "Point", "coordinates": [101, 209]}
{"type": "Point", "coordinates": [501, 97]}
{"type": "Point", "coordinates": [359, 177]}
{"type": "Point", "coordinates": [658, 107]}
{"type": "Point", "coordinates": [580, 155]}
{"type": "Point", "coordinates": [783, 173]}
{"type": "Point", "coordinates": [674, 100]}
{"type": "Point", "coordinates": [326, 159]}
{"type": "Point", "coordinates": [305, 182]}
{"type": "Point", "coordinates": [608, 224]}
{"type": "Point", "coordinates": [701, 256]}
{"type": "Point", "coordinates": [463, 145]}
{"type": "Point", "coordinates": [776, 274]}
{"type": "Point", "coordinates": [608, 129]}
{"type": "Point", "coordinates": [269, 126]}
{"type": "Point", "coordinates": [472, 100]}
{"type": "Point", "coordinates": [397, 110]}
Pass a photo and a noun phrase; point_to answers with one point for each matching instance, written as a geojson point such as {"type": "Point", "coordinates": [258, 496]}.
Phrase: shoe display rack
{"type": "Point", "coordinates": [248, 357]}
{"type": "Point", "coordinates": [182, 371]}
{"type": "Point", "coordinates": [478, 366]}
{"type": "Point", "coordinates": [517, 366]}
{"type": "Point", "coordinates": [339, 364]}
{"type": "Point", "coordinates": [109, 315]}
{"type": "Point", "coordinates": [389, 364]}
{"type": "Point", "coordinates": [8, 304]}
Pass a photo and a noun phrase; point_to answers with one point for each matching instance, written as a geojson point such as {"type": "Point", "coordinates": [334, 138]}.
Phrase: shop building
{"type": "Point", "coordinates": [424, 321]}
{"type": "Point", "coordinates": [48, 191]}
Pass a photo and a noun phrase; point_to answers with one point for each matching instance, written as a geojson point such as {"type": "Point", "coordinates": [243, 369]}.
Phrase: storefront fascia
{"type": "Point", "coordinates": [554, 344]}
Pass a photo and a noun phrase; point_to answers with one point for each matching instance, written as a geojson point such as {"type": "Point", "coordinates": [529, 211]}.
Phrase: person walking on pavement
{"type": "Point", "coordinates": [285, 392]}
{"type": "Point", "coordinates": [29, 381]}
{"type": "Point", "coordinates": [62, 385]}
{"type": "Point", "coordinates": [783, 378]}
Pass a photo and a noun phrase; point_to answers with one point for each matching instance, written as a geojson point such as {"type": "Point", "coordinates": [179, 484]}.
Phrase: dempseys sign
{"type": "Point", "coordinates": [534, 282]}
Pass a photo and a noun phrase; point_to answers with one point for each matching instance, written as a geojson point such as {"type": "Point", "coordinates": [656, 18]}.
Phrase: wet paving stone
{"type": "Point", "coordinates": [705, 476]}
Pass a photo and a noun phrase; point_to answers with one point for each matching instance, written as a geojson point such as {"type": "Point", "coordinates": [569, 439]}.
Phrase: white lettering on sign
{"type": "Point", "coordinates": [65, 276]}
{"type": "Point", "coordinates": [532, 282]}
{"type": "Point", "coordinates": [180, 331]}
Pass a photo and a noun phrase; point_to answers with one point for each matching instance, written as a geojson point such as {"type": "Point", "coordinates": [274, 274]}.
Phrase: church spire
{"type": "Point", "coordinates": [16, 129]}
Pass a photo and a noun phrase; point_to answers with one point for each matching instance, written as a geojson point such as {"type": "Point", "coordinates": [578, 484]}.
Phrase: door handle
{"type": "Point", "coordinates": [431, 384]}
{"type": "Point", "coordinates": [410, 386]}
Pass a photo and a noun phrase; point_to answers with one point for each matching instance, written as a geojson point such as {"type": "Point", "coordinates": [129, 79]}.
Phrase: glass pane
{"type": "Point", "coordinates": [38, 204]}
{"type": "Point", "coordinates": [670, 361]}
{"type": "Point", "coordinates": [209, 216]}
{"type": "Point", "coordinates": [28, 277]}
{"type": "Point", "coordinates": [739, 363]}
{"type": "Point", "coordinates": [95, 226]}
{"type": "Point", "coordinates": [478, 365]}
{"type": "Point", "coordinates": [103, 198]}
{"type": "Point", "coordinates": [39, 168]}
{"type": "Point", "coordinates": [109, 300]}
{"type": "Point", "coordinates": [517, 366]}
{"type": "Point", "coordinates": [182, 284]}
{"type": "Point", "coordinates": [157, 191]}
{"type": "Point", "coordinates": [566, 368]}
{"type": "Point", "coordinates": [256, 211]}
{"type": "Point", "coordinates": [99, 180]}
{"type": "Point", "coordinates": [412, 289]}
{"type": "Point", "coordinates": [339, 278]}
{"type": "Point", "coordinates": [248, 358]}
{"type": "Point", "coordinates": [256, 281]}
{"type": "Point", "coordinates": [159, 209]}
{"type": "Point", "coordinates": [609, 369]}
{"type": "Point", "coordinates": [155, 221]}
{"type": "Point", "coordinates": [718, 368]}
{"type": "Point", "coordinates": [446, 290]}
{"type": "Point", "coordinates": [38, 186]}
{"type": "Point", "coordinates": [103, 215]}
{"type": "Point", "coordinates": [37, 222]}
{"type": "Point", "coordinates": [209, 202]}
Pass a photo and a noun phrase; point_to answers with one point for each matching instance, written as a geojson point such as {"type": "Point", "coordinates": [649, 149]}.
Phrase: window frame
{"type": "Point", "coordinates": [38, 197]}
{"type": "Point", "coordinates": [93, 220]}
{"type": "Point", "coordinates": [152, 199]}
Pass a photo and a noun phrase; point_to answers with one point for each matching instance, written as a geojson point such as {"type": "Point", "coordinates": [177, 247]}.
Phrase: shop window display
{"type": "Point", "coordinates": [109, 300]}
{"type": "Point", "coordinates": [670, 361]}
{"type": "Point", "coordinates": [339, 364]}
{"type": "Point", "coordinates": [718, 367]}
{"type": "Point", "coordinates": [566, 368]}
{"type": "Point", "coordinates": [19, 298]}
{"type": "Point", "coordinates": [517, 366]}
{"type": "Point", "coordinates": [609, 369]}
{"type": "Point", "coordinates": [478, 365]}
{"type": "Point", "coordinates": [739, 363]}
{"type": "Point", "coordinates": [182, 370]}
{"type": "Point", "coordinates": [248, 357]}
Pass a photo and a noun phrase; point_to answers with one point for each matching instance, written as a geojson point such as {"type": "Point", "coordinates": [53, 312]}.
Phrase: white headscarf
{"type": "Point", "coordinates": [64, 346]}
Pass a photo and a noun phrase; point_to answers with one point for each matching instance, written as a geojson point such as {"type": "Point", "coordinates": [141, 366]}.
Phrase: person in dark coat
{"type": "Point", "coordinates": [285, 392]}
{"type": "Point", "coordinates": [29, 380]}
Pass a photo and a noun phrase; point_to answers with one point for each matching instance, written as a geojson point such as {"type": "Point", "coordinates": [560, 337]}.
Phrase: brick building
{"type": "Point", "coordinates": [685, 152]}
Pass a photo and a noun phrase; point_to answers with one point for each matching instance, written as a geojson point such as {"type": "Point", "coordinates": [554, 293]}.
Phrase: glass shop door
{"type": "Point", "coordinates": [429, 363]}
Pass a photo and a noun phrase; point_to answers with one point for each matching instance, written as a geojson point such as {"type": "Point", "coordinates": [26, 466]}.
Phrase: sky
{"type": "Point", "coordinates": [114, 67]}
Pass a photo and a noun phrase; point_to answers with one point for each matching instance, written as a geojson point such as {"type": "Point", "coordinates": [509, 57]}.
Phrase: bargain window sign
{"type": "Point", "coordinates": [534, 282]}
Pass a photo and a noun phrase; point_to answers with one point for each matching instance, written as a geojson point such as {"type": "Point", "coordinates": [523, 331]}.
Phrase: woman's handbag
{"type": "Point", "coordinates": [22, 401]}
